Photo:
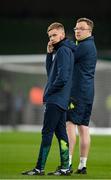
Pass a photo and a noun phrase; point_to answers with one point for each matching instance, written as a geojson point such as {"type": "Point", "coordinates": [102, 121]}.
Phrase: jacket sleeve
{"type": "Point", "coordinates": [63, 70]}
{"type": "Point", "coordinates": [48, 62]}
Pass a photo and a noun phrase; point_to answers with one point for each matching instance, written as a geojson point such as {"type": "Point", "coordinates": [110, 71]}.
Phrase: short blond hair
{"type": "Point", "coordinates": [88, 21]}
{"type": "Point", "coordinates": [55, 25]}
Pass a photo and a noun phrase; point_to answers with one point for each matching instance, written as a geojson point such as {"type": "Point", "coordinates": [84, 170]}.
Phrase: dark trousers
{"type": "Point", "coordinates": [54, 122]}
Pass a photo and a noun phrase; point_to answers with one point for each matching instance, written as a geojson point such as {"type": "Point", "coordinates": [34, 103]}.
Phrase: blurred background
{"type": "Point", "coordinates": [23, 41]}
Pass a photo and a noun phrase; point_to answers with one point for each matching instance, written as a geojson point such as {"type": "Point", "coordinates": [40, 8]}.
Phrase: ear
{"type": "Point", "coordinates": [62, 35]}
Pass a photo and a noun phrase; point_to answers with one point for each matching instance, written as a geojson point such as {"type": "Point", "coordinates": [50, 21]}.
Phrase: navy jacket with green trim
{"type": "Point", "coordinates": [84, 71]}
{"type": "Point", "coordinates": [59, 68]}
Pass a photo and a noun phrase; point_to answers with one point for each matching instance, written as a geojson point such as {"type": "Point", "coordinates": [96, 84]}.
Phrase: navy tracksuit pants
{"type": "Point", "coordinates": [54, 122]}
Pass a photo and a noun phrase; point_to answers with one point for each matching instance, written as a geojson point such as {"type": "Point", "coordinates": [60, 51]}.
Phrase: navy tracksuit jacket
{"type": "Point", "coordinates": [59, 72]}
{"type": "Point", "coordinates": [84, 70]}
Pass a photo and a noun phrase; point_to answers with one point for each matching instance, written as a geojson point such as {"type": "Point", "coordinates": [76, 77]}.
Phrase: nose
{"type": "Point", "coordinates": [51, 38]}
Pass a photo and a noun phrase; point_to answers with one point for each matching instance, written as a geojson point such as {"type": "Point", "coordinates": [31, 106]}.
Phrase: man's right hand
{"type": "Point", "coordinates": [50, 47]}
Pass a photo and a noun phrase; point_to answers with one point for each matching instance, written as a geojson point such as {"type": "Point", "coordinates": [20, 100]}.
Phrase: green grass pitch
{"type": "Point", "coordinates": [19, 151]}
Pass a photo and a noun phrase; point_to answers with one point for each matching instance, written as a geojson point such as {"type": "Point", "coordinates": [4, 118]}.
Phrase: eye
{"type": "Point", "coordinates": [81, 29]}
